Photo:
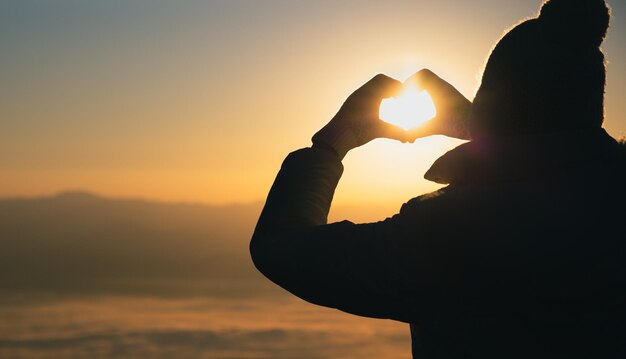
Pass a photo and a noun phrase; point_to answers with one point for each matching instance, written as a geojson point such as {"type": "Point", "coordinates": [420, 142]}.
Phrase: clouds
{"type": "Point", "coordinates": [270, 344]}
{"type": "Point", "coordinates": [194, 328]}
{"type": "Point", "coordinates": [87, 277]}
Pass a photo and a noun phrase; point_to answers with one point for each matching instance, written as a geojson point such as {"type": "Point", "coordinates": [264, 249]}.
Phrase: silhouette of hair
{"type": "Point", "coordinates": [547, 74]}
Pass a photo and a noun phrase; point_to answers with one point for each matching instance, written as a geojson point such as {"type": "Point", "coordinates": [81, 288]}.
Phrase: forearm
{"type": "Point", "coordinates": [293, 245]}
{"type": "Point", "coordinates": [301, 194]}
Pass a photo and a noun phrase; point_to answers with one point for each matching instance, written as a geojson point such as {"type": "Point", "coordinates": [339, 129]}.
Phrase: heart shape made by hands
{"type": "Point", "coordinates": [409, 110]}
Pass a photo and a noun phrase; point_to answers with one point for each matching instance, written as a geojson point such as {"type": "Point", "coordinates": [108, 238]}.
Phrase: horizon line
{"type": "Point", "coordinates": [138, 198]}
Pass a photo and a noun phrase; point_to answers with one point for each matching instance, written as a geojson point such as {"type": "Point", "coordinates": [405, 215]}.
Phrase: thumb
{"type": "Point", "coordinates": [393, 132]}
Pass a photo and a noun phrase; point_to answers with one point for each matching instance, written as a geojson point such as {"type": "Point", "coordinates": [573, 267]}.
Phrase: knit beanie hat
{"type": "Point", "coordinates": [547, 74]}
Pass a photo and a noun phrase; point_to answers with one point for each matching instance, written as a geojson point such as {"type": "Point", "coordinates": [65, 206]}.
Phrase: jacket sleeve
{"type": "Point", "coordinates": [352, 267]}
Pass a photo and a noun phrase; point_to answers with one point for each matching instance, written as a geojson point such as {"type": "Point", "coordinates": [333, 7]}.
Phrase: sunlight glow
{"type": "Point", "coordinates": [409, 110]}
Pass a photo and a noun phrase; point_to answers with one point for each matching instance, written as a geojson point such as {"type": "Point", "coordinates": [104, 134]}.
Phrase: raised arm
{"type": "Point", "coordinates": [355, 268]}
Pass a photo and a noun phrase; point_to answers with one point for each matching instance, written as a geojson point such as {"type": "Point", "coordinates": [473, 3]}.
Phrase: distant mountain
{"type": "Point", "coordinates": [81, 243]}
{"type": "Point", "coordinates": [77, 242]}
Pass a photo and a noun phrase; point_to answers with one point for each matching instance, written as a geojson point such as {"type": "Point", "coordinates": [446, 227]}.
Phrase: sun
{"type": "Point", "coordinates": [409, 110]}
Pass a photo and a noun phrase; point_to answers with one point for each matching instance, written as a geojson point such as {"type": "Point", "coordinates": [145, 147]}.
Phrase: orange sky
{"type": "Point", "coordinates": [189, 101]}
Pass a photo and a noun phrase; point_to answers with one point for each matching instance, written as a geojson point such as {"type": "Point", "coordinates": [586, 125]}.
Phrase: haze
{"type": "Point", "coordinates": [201, 100]}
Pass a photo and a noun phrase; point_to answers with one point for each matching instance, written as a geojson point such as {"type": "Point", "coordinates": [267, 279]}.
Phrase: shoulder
{"type": "Point", "coordinates": [444, 203]}
{"type": "Point", "coordinates": [423, 200]}
{"type": "Point", "coordinates": [618, 160]}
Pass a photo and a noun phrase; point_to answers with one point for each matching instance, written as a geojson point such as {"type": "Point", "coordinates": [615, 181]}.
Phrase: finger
{"type": "Point", "coordinates": [392, 132]}
{"type": "Point", "coordinates": [382, 86]}
{"type": "Point", "coordinates": [427, 80]}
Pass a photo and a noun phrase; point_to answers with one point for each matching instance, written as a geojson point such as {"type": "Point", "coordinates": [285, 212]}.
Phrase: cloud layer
{"type": "Point", "coordinates": [194, 328]}
{"type": "Point", "coordinates": [87, 277]}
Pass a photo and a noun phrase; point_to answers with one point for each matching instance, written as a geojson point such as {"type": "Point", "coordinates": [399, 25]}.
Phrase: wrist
{"type": "Point", "coordinates": [337, 139]}
{"type": "Point", "coordinates": [326, 147]}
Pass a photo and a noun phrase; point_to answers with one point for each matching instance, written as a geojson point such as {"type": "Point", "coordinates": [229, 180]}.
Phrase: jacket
{"type": "Point", "coordinates": [522, 255]}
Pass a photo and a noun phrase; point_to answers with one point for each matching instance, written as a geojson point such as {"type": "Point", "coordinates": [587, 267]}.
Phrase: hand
{"type": "Point", "coordinates": [453, 109]}
{"type": "Point", "coordinates": [358, 122]}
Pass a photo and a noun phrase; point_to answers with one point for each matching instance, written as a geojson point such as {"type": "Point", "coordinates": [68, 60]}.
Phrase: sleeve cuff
{"type": "Point", "coordinates": [339, 139]}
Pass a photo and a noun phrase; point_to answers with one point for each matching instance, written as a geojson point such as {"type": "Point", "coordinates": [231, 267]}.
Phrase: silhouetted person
{"type": "Point", "coordinates": [523, 255]}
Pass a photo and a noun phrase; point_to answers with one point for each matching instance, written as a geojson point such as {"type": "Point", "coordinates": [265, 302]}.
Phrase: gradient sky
{"type": "Point", "coordinates": [201, 100]}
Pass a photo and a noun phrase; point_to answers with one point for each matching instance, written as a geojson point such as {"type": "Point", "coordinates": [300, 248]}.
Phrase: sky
{"type": "Point", "coordinates": [200, 101]}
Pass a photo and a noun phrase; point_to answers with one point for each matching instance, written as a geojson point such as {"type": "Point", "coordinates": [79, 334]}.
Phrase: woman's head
{"type": "Point", "coordinates": [547, 74]}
